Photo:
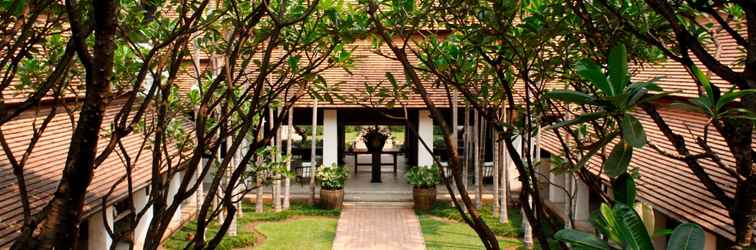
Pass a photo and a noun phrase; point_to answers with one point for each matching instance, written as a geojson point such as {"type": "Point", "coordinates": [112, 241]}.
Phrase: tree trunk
{"type": "Point", "coordinates": [61, 226]}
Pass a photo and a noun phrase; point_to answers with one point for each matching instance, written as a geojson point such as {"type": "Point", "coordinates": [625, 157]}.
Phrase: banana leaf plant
{"type": "Point", "coordinates": [613, 100]}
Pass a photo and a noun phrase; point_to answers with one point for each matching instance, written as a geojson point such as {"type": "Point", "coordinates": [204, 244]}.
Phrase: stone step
{"type": "Point", "coordinates": [377, 204]}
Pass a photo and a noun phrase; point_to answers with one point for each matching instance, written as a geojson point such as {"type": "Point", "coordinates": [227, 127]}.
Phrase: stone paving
{"type": "Point", "coordinates": [378, 228]}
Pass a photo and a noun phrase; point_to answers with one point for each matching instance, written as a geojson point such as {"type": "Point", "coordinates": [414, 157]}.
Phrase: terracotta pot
{"type": "Point", "coordinates": [331, 199]}
{"type": "Point", "coordinates": [424, 197]}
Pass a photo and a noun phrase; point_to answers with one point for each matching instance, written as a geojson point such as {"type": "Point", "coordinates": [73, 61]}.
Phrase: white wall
{"type": "Point", "coordinates": [582, 202]}
{"type": "Point", "coordinates": [556, 191]}
{"type": "Point", "coordinates": [330, 137]}
{"type": "Point", "coordinates": [98, 235]}
{"type": "Point", "coordinates": [140, 232]}
{"type": "Point", "coordinates": [172, 190]}
{"type": "Point", "coordinates": [425, 132]}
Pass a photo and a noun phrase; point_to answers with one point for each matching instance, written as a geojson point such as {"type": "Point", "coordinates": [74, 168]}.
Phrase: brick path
{"type": "Point", "coordinates": [378, 228]}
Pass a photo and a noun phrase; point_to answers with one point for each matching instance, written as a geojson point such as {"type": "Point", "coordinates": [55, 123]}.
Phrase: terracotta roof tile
{"type": "Point", "coordinates": [42, 171]}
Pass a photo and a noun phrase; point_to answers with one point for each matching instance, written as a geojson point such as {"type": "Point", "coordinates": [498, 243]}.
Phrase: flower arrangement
{"type": "Point", "coordinates": [423, 176]}
{"type": "Point", "coordinates": [331, 177]}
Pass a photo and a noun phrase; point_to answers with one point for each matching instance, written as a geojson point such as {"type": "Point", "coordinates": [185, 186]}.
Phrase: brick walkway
{"type": "Point", "coordinates": [378, 228]}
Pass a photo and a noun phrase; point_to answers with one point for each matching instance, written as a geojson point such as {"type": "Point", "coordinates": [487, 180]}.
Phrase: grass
{"type": "Point", "coordinates": [443, 228]}
{"type": "Point", "coordinates": [308, 233]}
{"type": "Point", "coordinates": [246, 236]}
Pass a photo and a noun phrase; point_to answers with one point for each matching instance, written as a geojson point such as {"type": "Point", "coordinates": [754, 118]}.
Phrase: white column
{"type": "Point", "coordinates": [98, 235]}
{"type": "Point", "coordinates": [172, 190]}
{"type": "Point", "coordinates": [710, 241]}
{"type": "Point", "coordinates": [582, 202]}
{"type": "Point", "coordinates": [556, 187]}
{"type": "Point", "coordinates": [140, 231]}
{"type": "Point", "coordinates": [330, 137]}
{"type": "Point", "coordinates": [425, 132]}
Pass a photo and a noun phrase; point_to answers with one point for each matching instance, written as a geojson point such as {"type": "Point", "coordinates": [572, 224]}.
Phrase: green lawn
{"type": "Point", "coordinates": [443, 228]}
{"type": "Point", "coordinates": [246, 224]}
{"type": "Point", "coordinates": [301, 233]}
{"type": "Point", "coordinates": [445, 234]}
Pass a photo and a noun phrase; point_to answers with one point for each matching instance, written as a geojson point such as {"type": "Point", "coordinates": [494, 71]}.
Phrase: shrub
{"type": "Point", "coordinates": [423, 176]}
{"type": "Point", "coordinates": [332, 177]}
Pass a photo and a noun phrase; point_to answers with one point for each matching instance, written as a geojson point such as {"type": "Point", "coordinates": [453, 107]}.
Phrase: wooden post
{"type": "Point", "coordinates": [287, 181]}
{"type": "Point", "coordinates": [259, 181]}
{"type": "Point", "coordinates": [275, 198]}
{"type": "Point", "coordinates": [313, 151]}
{"type": "Point", "coordinates": [482, 156]}
{"type": "Point", "coordinates": [504, 192]}
{"type": "Point", "coordinates": [277, 177]}
{"type": "Point", "coordinates": [504, 213]}
{"type": "Point", "coordinates": [466, 158]}
{"type": "Point", "coordinates": [455, 143]}
{"type": "Point", "coordinates": [476, 158]}
{"type": "Point", "coordinates": [495, 151]}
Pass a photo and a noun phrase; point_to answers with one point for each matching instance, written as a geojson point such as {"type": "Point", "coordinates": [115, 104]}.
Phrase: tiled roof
{"type": "Point", "coordinates": [42, 171]}
{"type": "Point", "coordinates": [672, 76]}
{"type": "Point", "coordinates": [669, 184]}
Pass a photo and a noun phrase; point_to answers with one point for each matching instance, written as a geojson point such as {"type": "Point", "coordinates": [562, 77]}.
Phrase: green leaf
{"type": "Point", "coordinates": [704, 81]}
{"type": "Point", "coordinates": [294, 63]}
{"type": "Point", "coordinates": [631, 229]}
{"type": "Point", "coordinates": [580, 119]}
{"type": "Point", "coordinates": [581, 240]}
{"type": "Point", "coordinates": [618, 160]}
{"type": "Point", "coordinates": [732, 95]}
{"type": "Point", "coordinates": [624, 189]}
{"type": "Point", "coordinates": [569, 96]}
{"type": "Point", "coordinates": [607, 222]}
{"type": "Point", "coordinates": [632, 131]}
{"type": "Point", "coordinates": [392, 80]}
{"type": "Point", "coordinates": [686, 236]}
{"type": "Point", "coordinates": [618, 75]}
{"type": "Point", "coordinates": [595, 149]}
{"type": "Point", "coordinates": [592, 72]}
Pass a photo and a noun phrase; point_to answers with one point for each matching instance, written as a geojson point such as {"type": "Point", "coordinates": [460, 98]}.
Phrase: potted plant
{"type": "Point", "coordinates": [331, 179]}
{"type": "Point", "coordinates": [424, 180]}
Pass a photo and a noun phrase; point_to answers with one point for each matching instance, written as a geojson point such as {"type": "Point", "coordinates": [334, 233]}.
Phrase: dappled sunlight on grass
{"type": "Point", "coordinates": [246, 236]}
{"type": "Point", "coordinates": [443, 228]}
{"type": "Point", "coordinates": [300, 233]}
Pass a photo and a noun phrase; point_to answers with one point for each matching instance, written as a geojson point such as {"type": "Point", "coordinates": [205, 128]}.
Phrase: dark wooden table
{"type": "Point", "coordinates": [392, 152]}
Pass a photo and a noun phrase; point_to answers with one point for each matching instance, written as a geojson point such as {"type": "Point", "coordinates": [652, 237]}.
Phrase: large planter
{"type": "Point", "coordinates": [424, 197]}
{"type": "Point", "coordinates": [331, 199]}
